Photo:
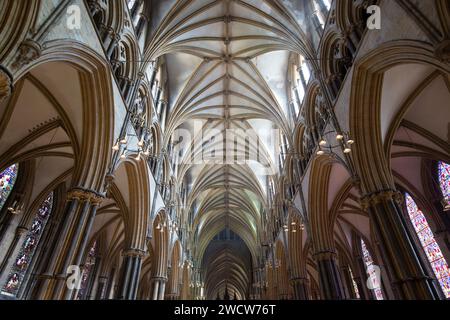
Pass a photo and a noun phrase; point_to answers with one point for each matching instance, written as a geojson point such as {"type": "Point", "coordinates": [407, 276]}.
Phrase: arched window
{"type": "Point", "coordinates": [355, 286]}
{"type": "Point", "coordinates": [7, 180]}
{"type": "Point", "coordinates": [429, 244]}
{"type": "Point", "coordinates": [321, 7]}
{"type": "Point", "coordinates": [302, 78]}
{"type": "Point", "coordinates": [23, 260]}
{"type": "Point", "coordinates": [444, 182]}
{"type": "Point", "coordinates": [371, 272]}
{"type": "Point", "coordinates": [305, 71]}
{"type": "Point", "coordinates": [87, 271]}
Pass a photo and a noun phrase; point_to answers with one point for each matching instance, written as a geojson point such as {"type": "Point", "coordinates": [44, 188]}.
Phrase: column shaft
{"type": "Point", "coordinates": [330, 279]}
{"type": "Point", "coordinates": [398, 251]}
{"type": "Point", "coordinates": [301, 288]}
{"type": "Point", "coordinates": [129, 280]}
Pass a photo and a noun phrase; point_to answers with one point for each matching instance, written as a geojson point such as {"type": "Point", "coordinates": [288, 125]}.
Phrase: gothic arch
{"type": "Point", "coordinates": [97, 130]}
{"type": "Point", "coordinates": [160, 244]}
{"type": "Point", "coordinates": [365, 109]}
{"type": "Point", "coordinates": [17, 18]}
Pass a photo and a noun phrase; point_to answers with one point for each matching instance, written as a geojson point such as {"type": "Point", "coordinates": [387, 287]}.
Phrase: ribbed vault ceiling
{"type": "Point", "coordinates": [227, 65]}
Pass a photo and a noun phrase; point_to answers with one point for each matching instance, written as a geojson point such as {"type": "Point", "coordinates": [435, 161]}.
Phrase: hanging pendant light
{"type": "Point", "coordinates": [138, 158]}
{"type": "Point", "coordinates": [323, 143]}
{"type": "Point", "coordinates": [116, 147]}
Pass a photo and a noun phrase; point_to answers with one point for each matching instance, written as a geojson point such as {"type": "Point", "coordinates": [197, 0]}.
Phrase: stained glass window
{"type": "Point", "coordinates": [87, 270]}
{"type": "Point", "coordinates": [371, 272]}
{"type": "Point", "coordinates": [22, 262]}
{"type": "Point", "coordinates": [429, 244]}
{"type": "Point", "coordinates": [7, 180]}
{"type": "Point", "coordinates": [355, 286]}
{"type": "Point", "coordinates": [444, 182]}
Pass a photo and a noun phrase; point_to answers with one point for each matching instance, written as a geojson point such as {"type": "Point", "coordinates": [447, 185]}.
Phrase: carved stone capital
{"type": "Point", "coordinates": [380, 197]}
{"type": "Point", "coordinates": [6, 83]}
{"type": "Point", "coordinates": [134, 253]}
{"type": "Point", "coordinates": [75, 195]}
{"type": "Point", "coordinates": [85, 195]}
{"type": "Point", "coordinates": [324, 255]}
{"type": "Point", "coordinates": [159, 279]}
{"type": "Point", "coordinates": [96, 200]}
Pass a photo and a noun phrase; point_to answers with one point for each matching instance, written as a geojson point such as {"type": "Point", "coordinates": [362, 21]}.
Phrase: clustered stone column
{"type": "Point", "coordinates": [131, 271]}
{"type": "Point", "coordinates": [70, 244]}
{"type": "Point", "coordinates": [407, 274]}
{"type": "Point", "coordinates": [330, 279]}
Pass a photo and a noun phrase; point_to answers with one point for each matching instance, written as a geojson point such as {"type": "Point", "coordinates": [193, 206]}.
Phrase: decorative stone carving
{"type": "Point", "coordinates": [6, 83]}
{"type": "Point", "coordinates": [29, 51]}
{"type": "Point", "coordinates": [376, 198]}
{"type": "Point", "coordinates": [134, 253]}
{"type": "Point", "coordinates": [442, 51]}
{"type": "Point", "coordinates": [85, 195]}
{"type": "Point", "coordinates": [108, 183]}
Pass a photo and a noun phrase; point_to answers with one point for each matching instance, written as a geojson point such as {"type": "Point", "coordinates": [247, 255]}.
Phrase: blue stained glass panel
{"type": "Point", "coordinates": [7, 179]}
{"type": "Point", "coordinates": [444, 182]}
{"type": "Point", "coordinates": [429, 244]}
{"type": "Point", "coordinates": [22, 262]}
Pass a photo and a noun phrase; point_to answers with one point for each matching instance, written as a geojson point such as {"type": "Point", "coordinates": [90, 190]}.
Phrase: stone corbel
{"type": "Point", "coordinates": [6, 83]}
{"type": "Point", "coordinates": [29, 51]}
{"type": "Point", "coordinates": [109, 179]}
{"type": "Point", "coordinates": [442, 51]}
{"type": "Point", "coordinates": [85, 195]}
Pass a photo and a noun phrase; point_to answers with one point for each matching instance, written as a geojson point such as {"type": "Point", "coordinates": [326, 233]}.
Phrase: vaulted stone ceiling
{"type": "Point", "coordinates": [227, 66]}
